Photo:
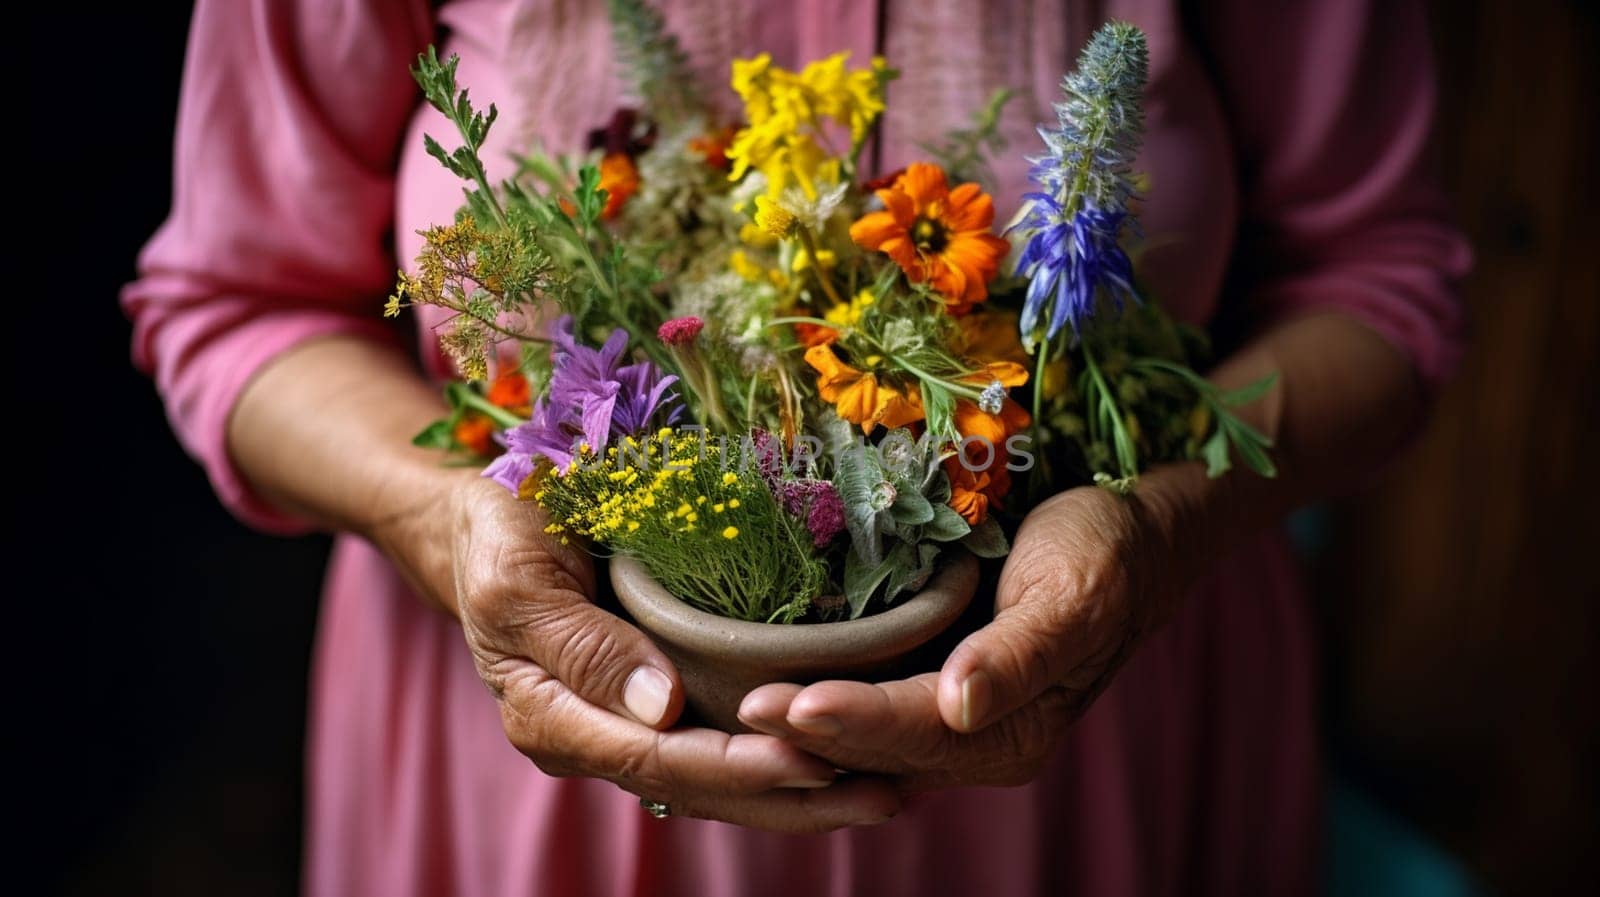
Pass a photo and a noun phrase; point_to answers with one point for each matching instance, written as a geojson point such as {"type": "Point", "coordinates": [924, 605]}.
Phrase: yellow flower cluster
{"type": "Point", "coordinates": [787, 113]}
{"type": "Point", "coordinates": [714, 537]}
{"type": "Point", "coordinates": [665, 486]}
{"type": "Point", "coordinates": [849, 314]}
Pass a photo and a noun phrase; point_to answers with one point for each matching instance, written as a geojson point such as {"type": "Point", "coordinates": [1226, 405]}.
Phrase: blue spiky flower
{"type": "Point", "coordinates": [1073, 222]}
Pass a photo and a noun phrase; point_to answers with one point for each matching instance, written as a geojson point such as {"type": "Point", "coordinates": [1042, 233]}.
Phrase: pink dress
{"type": "Point", "coordinates": [1285, 145]}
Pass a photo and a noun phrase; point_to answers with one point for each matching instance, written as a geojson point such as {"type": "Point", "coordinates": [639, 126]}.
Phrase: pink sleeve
{"type": "Point", "coordinates": [1331, 104]}
{"type": "Point", "coordinates": [283, 197]}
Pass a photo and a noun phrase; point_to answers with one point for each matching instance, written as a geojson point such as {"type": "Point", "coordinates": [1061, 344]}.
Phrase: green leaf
{"type": "Point", "coordinates": [457, 394]}
{"type": "Point", "coordinates": [913, 572]}
{"type": "Point", "coordinates": [438, 152]}
{"type": "Point", "coordinates": [1251, 444]}
{"type": "Point", "coordinates": [861, 579]}
{"type": "Point", "coordinates": [946, 525]}
{"type": "Point", "coordinates": [590, 199]}
{"type": "Point", "coordinates": [1215, 453]}
{"type": "Point", "coordinates": [856, 477]}
{"type": "Point", "coordinates": [939, 406]}
{"type": "Point", "coordinates": [437, 435]}
{"type": "Point", "coordinates": [1247, 394]}
{"type": "Point", "coordinates": [911, 509]}
{"type": "Point", "coordinates": [937, 488]}
{"type": "Point", "coordinates": [987, 540]}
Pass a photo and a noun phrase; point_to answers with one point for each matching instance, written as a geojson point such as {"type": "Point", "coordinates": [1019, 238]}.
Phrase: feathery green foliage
{"type": "Point", "coordinates": [711, 533]}
{"type": "Point", "coordinates": [965, 152]}
{"type": "Point", "coordinates": [652, 64]}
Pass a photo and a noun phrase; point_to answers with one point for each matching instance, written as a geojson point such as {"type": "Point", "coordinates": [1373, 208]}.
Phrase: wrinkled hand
{"type": "Point", "coordinates": [1087, 577]}
{"type": "Point", "coordinates": [582, 693]}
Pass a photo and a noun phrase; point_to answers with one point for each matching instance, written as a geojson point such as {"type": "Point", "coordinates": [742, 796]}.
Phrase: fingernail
{"type": "Point", "coordinates": [806, 783]}
{"type": "Point", "coordinates": [975, 697]}
{"type": "Point", "coordinates": [646, 695]}
{"type": "Point", "coordinates": [825, 726]}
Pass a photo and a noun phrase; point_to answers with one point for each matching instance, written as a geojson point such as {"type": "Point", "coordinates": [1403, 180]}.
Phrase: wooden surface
{"type": "Point", "coordinates": [1460, 597]}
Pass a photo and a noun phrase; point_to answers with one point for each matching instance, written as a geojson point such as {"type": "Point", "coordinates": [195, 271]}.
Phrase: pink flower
{"type": "Point", "coordinates": [680, 331]}
{"type": "Point", "coordinates": [825, 517]}
{"type": "Point", "coordinates": [816, 502]}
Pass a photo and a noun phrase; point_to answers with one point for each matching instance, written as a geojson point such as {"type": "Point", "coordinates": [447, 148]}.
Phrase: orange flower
{"type": "Point", "coordinates": [713, 146]}
{"type": "Point", "coordinates": [991, 334]}
{"type": "Point", "coordinates": [815, 334]}
{"type": "Point", "coordinates": [859, 396]}
{"type": "Point", "coordinates": [974, 492]}
{"type": "Point", "coordinates": [473, 432]}
{"type": "Point", "coordinates": [970, 420]}
{"type": "Point", "coordinates": [510, 391]}
{"type": "Point", "coordinates": [620, 180]}
{"type": "Point", "coordinates": [936, 235]}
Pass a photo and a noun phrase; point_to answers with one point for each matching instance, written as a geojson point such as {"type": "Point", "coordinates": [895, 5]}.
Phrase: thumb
{"type": "Point", "coordinates": [1057, 611]}
{"type": "Point", "coordinates": [531, 600]}
{"type": "Point", "coordinates": [603, 659]}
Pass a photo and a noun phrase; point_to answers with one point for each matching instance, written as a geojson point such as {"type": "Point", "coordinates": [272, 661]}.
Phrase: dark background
{"type": "Point", "coordinates": [164, 647]}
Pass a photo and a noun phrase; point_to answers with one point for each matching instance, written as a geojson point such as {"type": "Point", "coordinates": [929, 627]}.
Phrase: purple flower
{"type": "Point", "coordinates": [816, 502]}
{"type": "Point", "coordinates": [592, 398]}
{"type": "Point", "coordinates": [770, 462]}
{"type": "Point", "coordinates": [825, 517]}
{"type": "Point", "coordinates": [1069, 261]}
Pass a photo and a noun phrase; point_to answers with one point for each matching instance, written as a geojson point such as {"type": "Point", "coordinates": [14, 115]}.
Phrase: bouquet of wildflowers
{"type": "Point", "coordinates": [786, 385]}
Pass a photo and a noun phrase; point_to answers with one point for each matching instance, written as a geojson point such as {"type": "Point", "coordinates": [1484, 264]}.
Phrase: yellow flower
{"type": "Point", "coordinates": [826, 259]}
{"type": "Point", "coordinates": [854, 98]}
{"type": "Point", "coordinates": [850, 313]}
{"type": "Point", "coordinates": [784, 111]}
{"type": "Point", "coordinates": [752, 235]}
{"type": "Point", "coordinates": [773, 218]}
{"type": "Point", "coordinates": [728, 479]}
{"type": "Point", "coordinates": [731, 532]}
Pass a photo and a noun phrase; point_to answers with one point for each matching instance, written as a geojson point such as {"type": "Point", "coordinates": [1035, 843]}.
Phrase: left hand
{"type": "Point", "coordinates": [1090, 573]}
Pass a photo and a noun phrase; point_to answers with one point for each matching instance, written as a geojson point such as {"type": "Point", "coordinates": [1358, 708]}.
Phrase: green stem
{"type": "Point", "coordinates": [497, 328]}
{"type": "Point", "coordinates": [1127, 457]}
{"type": "Point", "coordinates": [494, 412]}
{"type": "Point", "coordinates": [960, 389]}
{"type": "Point", "coordinates": [793, 319]}
{"type": "Point", "coordinates": [1039, 364]}
{"type": "Point", "coordinates": [810, 243]}
{"type": "Point", "coordinates": [750, 403]}
{"type": "Point", "coordinates": [1039, 478]}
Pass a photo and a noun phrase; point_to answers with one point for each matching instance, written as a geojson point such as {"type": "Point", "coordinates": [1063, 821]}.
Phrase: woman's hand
{"type": "Point", "coordinates": [324, 433]}
{"type": "Point", "coordinates": [1089, 575]}
{"type": "Point", "coordinates": [582, 693]}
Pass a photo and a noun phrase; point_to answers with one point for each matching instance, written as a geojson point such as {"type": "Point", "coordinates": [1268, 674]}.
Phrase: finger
{"type": "Point", "coordinates": [538, 597]}
{"type": "Point", "coordinates": [1051, 626]}
{"type": "Point", "coordinates": [766, 708]}
{"type": "Point", "coordinates": [895, 728]}
{"type": "Point", "coordinates": [891, 727]}
{"type": "Point", "coordinates": [861, 800]}
{"type": "Point", "coordinates": [566, 735]}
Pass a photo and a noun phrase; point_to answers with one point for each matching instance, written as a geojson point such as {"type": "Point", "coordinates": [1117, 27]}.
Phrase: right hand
{"type": "Point", "coordinates": [582, 693]}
